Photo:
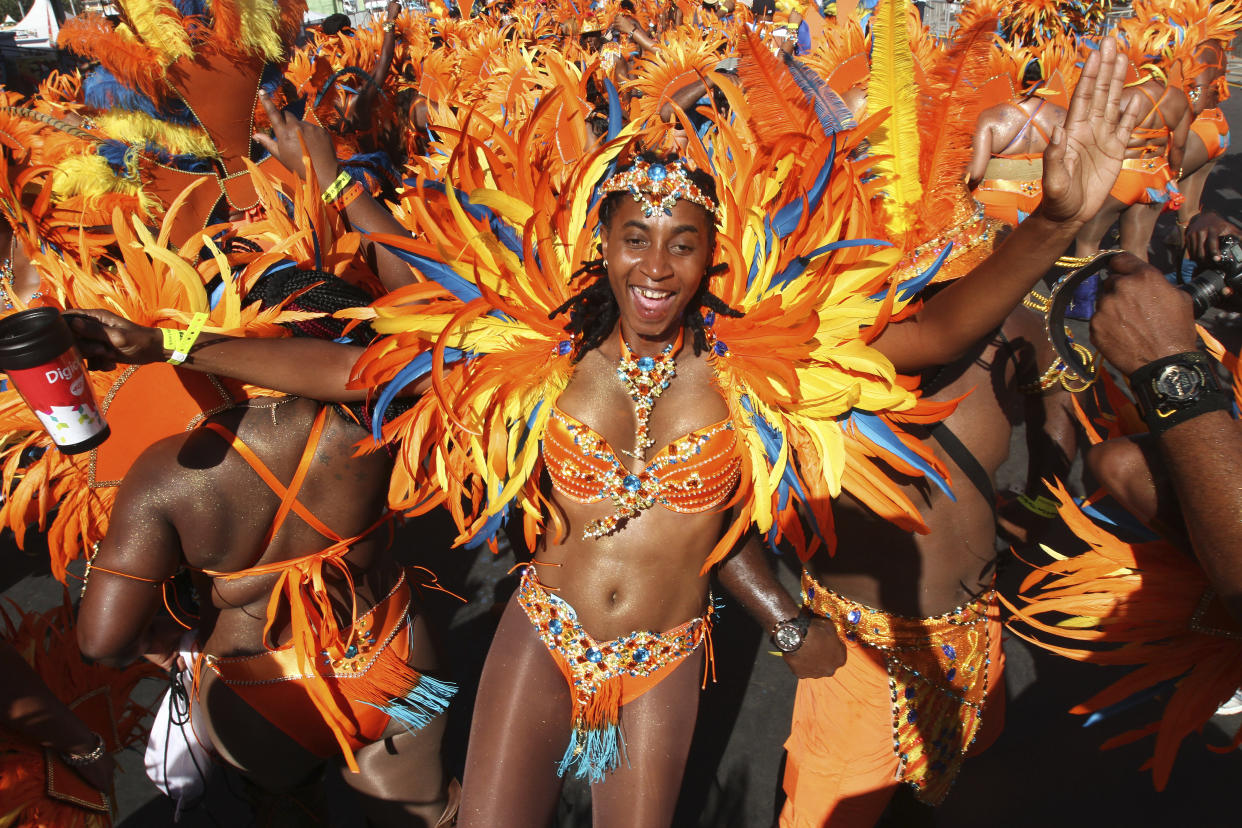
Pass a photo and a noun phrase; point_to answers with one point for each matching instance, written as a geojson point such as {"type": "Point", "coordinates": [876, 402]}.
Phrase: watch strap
{"type": "Point", "coordinates": [1160, 412]}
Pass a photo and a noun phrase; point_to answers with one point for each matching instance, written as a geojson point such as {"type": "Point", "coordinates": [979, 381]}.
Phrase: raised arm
{"type": "Point", "coordinates": [315, 368]}
{"type": "Point", "coordinates": [1081, 164]}
{"type": "Point", "coordinates": [365, 214]}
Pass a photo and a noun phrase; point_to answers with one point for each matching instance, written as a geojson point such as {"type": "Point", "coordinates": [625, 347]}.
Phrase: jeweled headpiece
{"type": "Point", "coordinates": [657, 187]}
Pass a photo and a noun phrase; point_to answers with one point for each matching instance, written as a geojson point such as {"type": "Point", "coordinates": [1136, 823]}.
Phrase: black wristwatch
{"type": "Point", "coordinates": [1176, 388]}
{"type": "Point", "coordinates": [788, 635]}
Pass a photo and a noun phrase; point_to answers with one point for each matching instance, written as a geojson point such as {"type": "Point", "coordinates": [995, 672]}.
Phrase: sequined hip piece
{"type": "Point", "coordinates": [938, 672]}
{"type": "Point", "coordinates": [603, 676]}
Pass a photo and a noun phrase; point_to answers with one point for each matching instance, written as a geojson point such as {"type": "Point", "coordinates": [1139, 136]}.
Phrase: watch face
{"type": "Point", "coordinates": [1179, 383]}
{"type": "Point", "coordinates": [787, 637]}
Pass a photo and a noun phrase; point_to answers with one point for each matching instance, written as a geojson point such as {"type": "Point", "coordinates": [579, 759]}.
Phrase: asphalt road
{"type": "Point", "coordinates": [1045, 770]}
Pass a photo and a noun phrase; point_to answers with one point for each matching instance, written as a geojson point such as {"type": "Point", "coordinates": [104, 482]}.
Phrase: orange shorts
{"type": "Point", "coordinates": [881, 719]}
{"type": "Point", "coordinates": [1213, 130]}
{"type": "Point", "coordinates": [1009, 201]}
{"type": "Point", "coordinates": [1146, 181]}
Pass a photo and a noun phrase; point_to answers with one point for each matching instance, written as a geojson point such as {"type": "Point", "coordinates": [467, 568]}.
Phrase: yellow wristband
{"type": "Point", "coordinates": [172, 338]}
{"type": "Point", "coordinates": [337, 187]}
{"type": "Point", "coordinates": [1044, 507]}
{"type": "Point", "coordinates": [188, 338]}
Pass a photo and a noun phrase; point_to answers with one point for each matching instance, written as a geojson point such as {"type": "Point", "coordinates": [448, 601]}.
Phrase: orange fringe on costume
{"type": "Point", "coordinates": [1147, 605]}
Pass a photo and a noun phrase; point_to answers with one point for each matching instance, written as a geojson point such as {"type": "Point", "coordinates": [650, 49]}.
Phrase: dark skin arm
{"type": "Point", "coordinates": [748, 576]}
{"type": "Point", "coordinates": [28, 708]}
{"type": "Point", "coordinates": [1081, 164]}
{"type": "Point", "coordinates": [1203, 236]}
{"type": "Point", "coordinates": [365, 214]}
{"type": "Point", "coordinates": [980, 154]}
{"type": "Point", "coordinates": [1140, 318]}
{"type": "Point", "coordinates": [280, 364]}
{"type": "Point", "coordinates": [116, 613]}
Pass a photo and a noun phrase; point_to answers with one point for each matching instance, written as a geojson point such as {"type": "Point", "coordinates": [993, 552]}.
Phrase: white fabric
{"type": "Point", "coordinates": [178, 758]}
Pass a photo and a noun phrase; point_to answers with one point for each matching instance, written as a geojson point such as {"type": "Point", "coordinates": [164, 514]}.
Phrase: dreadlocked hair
{"type": "Point", "coordinates": [593, 311]}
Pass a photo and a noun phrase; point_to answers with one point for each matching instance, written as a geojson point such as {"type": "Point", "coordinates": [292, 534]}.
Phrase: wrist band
{"type": "Point", "coordinates": [78, 760]}
{"type": "Point", "coordinates": [186, 340]}
{"type": "Point", "coordinates": [338, 185]}
{"type": "Point", "coordinates": [389, 27]}
{"type": "Point", "coordinates": [1158, 421]}
{"type": "Point", "coordinates": [1040, 506]}
{"type": "Point", "coordinates": [347, 198]}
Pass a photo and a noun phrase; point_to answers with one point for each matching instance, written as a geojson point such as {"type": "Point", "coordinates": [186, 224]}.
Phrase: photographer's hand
{"type": "Point", "coordinates": [1203, 236]}
{"type": "Point", "coordinates": [1139, 316]}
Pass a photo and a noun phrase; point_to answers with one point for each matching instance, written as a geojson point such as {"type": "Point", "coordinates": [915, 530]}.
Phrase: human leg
{"type": "Point", "coordinates": [1137, 223]}
{"type": "Point", "coordinates": [518, 734]}
{"type": "Point", "coordinates": [657, 727]}
{"type": "Point", "coordinates": [401, 779]}
{"type": "Point", "coordinates": [1092, 233]}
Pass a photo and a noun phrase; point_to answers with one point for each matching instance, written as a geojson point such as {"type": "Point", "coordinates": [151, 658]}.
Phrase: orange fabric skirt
{"type": "Point", "coordinates": [603, 677]}
{"type": "Point", "coordinates": [1146, 181]}
{"type": "Point", "coordinates": [907, 706]}
{"type": "Point", "coordinates": [1213, 131]}
{"type": "Point", "coordinates": [370, 683]}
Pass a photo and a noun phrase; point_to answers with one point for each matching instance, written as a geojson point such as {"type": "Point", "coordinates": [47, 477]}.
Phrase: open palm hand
{"type": "Point", "coordinates": [1084, 157]}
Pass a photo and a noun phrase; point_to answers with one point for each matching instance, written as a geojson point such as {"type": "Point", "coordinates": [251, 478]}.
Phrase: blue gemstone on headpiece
{"type": "Point", "coordinates": [564, 346]}
{"type": "Point", "coordinates": [351, 651]}
{"type": "Point", "coordinates": [594, 656]}
{"type": "Point", "coordinates": [631, 483]}
{"type": "Point", "coordinates": [721, 349]}
{"type": "Point", "coordinates": [709, 319]}
{"type": "Point", "coordinates": [555, 626]}
{"type": "Point", "coordinates": [645, 363]}
{"type": "Point", "coordinates": [640, 655]}
{"type": "Point", "coordinates": [854, 616]}
{"type": "Point", "coordinates": [657, 172]}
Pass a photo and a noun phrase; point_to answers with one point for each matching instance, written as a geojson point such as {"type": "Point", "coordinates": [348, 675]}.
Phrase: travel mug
{"type": "Point", "coordinates": [37, 352]}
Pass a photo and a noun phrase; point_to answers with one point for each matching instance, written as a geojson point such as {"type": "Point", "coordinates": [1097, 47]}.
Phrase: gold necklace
{"type": "Point", "coordinates": [645, 378]}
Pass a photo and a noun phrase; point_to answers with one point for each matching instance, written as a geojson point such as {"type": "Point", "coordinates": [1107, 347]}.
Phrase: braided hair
{"type": "Point", "coordinates": [593, 311]}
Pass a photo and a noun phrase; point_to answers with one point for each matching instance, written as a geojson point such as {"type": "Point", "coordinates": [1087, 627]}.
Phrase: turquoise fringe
{"type": "Point", "coordinates": [593, 754]}
{"type": "Point", "coordinates": [415, 710]}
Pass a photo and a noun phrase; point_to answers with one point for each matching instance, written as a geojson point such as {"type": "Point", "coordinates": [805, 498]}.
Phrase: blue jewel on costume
{"type": "Point", "coordinates": [912, 716]}
{"type": "Point", "coordinates": [810, 594]}
{"type": "Point", "coordinates": [657, 172]}
{"type": "Point", "coordinates": [854, 616]}
{"type": "Point", "coordinates": [631, 483]}
{"type": "Point", "coordinates": [910, 691]}
{"type": "Point", "coordinates": [351, 651]}
{"type": "Point", "coordinates": [949, 651]}
{"type": "Point", "coordinates": [640, 655]}
{"type": "Point", "coordinates": [646, 364]}
{"type": "Point", "coordinates": [952, 674]}
{"type": "Point", "coordinates": [721, 349]}
{"type": "Point", "coordinates": [556, 626]}
{"type": "Point", "coordinates": [594, 656]}
{"type": "Point", "coordinates": [709, 319]}
{"type": "Point", "coordinates": [564, 347]}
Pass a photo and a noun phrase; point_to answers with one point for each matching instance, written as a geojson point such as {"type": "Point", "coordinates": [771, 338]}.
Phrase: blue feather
{"type": "Point", "coordinates": [419, 367]}
{"type": "Point", "coordinates": [879, 432]}
{"type": "Point", "coordinates": [787, 218]}
{"type": "Point", "coordinates": [615, 123]}
{"type": "Point", "coordinates": [772, 441]}
{"type": "Point", "coordinates": [910, 287]}
{"type": "Point", "coordinates": [832, 113]}
{"type": "Point", "coordinates": [438, 272]}
{"type": "Point", "coordinates": [102, 90]}
{"type": "Point", "coordinates": [1132, 701]}
{"type": "Point", "coordinates": [796, 268]}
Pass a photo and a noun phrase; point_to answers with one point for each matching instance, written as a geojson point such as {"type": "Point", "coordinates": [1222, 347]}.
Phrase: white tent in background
{"type": "Point", "coordinates": [8, 20]}
{"type": "Point", "coordinates": [38, 27]}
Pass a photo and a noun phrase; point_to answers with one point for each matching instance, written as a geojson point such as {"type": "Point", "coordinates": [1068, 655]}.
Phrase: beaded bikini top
{"type": "Point", "coordinates": [694, 473]}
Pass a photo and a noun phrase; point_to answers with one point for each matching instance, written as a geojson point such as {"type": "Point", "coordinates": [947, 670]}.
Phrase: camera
{"type": "Point", "coordinates": [1211, 280]}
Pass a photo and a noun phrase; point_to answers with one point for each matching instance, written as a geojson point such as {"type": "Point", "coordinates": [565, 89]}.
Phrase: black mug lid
{"type": "Point", "coordinates": [32, 337]}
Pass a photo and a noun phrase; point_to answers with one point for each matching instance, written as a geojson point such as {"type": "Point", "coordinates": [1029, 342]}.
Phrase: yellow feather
{"type": "Point", "coordinates": [137, 128]}
{"type": "Point", "coordinates": [159, 25]}
{"type": "Point", "coordinates": [892, 87]}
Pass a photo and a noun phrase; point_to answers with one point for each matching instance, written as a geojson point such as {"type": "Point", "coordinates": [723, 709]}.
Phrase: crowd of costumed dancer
{"type": "Point", "coordinates": [647, 291]}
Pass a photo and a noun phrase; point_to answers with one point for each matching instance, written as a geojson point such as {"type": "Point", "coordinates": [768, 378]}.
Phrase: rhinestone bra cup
{"type": "Point", "coordinates": [694, 473]}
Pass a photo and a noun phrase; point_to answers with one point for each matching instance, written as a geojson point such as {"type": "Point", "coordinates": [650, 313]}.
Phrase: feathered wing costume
{"type": "Point", "coordinates": [1141, 604]}
{"type": "Point", "coordinates": [811, 399]}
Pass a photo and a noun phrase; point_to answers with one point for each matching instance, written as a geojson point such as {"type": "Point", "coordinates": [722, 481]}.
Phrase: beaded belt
{"type": "Point", "coordinates": [937, 676]}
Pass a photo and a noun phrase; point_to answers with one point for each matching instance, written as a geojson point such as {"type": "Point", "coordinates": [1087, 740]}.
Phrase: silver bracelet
{"type": "Point", "coordinates": [78, 760]}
